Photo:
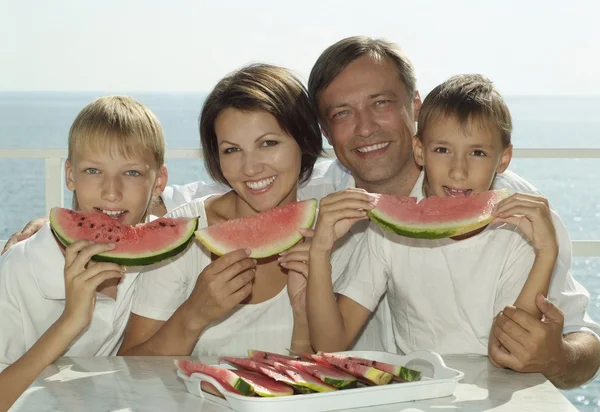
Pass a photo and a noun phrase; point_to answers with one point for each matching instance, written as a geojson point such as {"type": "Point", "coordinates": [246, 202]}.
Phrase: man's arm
{"type": "Point", "coordinates": [568, 360]}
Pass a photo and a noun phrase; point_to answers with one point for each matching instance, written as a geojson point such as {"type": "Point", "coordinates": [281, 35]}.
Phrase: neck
{"type": "Point", "coordinates": [400, 185]}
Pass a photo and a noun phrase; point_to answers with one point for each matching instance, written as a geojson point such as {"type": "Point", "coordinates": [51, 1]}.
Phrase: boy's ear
{"type": "Point", "coordinates": [418, 151]}
{"type": "Point", "coordinates": [161, 181]}
{"type": "Point", "coordinates": [69, 179]}
{"type": "Point", "coordinates": [505, 159]}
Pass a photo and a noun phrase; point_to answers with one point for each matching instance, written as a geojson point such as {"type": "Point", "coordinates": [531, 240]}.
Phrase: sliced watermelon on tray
{"type": "Point", "coordinates": [435, 217]}
{"type": "Point", "coordinates": [370, 374]}
{"type": "Point", "coordinates": [139, 245]}
{"type": "Point", "coordinates": [263, 385]}
{"type": "Point", "coordinates": [266, 234]}
{"type": "Point", "coordinates": [271, 372]}
{"type": "Point", "coordinates": [327, 374]}
{"type": "Point", "coordinates": [304, 379]}
{"type": "Point", "coordinates": [403, 373]}
{"type": "Point", "coordinates": [230, 381]}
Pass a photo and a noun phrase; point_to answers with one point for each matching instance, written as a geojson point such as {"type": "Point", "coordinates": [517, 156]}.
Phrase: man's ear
{"type": "Point", "coordinates": [417, 103]}
{"type": "Point", "coordinates": [505, 159]}
{"type": "Point", "coordinates": [418, 151]}
{"type": "Point", "coordinates": [69, 179]}
{"type": "Point", "coordinates": [161, 181]}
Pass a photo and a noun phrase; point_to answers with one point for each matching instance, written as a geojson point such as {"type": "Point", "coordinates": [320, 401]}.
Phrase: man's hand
{"type": "Point", "coordinates": [29, 230]}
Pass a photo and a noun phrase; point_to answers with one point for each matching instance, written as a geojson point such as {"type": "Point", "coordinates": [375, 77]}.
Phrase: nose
{"type": "Point", "coordinates": [459, 170]}
{"type": "Point", "coordinates": [112, 189]}
{"type": "Point", "coordinates": [366, 123]}
{"type": "Point", "coordinates": [252, 164]}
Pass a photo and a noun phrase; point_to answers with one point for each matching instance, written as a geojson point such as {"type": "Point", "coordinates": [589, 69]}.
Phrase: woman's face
{"type": "Point", "coordinates": [260, 161]}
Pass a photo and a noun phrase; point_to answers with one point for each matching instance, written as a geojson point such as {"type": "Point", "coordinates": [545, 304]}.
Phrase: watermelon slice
{"type": "Point", "coordinates": [369, 373]}
{"type": "Point", "coordinates": [404, 374]}
{"type": "Point", "coordinates": [265, 234]}
{"type": "Point", "coordinates": [327, 374]}
{"type": "Point", "coordinates": [263, 385]}
{"type": "Point", "coordinates": [435, 217]}
{"type": "Point", "coordinates": [267, 370]}
{"type": "Point", "coordinates": [229, 380]}
{"type": "Point", "coordinates": [304, 379]}
{"type": "Point", "coordinates": [139, 245]}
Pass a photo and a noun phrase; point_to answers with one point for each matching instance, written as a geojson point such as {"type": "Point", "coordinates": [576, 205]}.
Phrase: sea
{"type": "Point", "coordinates": [42, 120]}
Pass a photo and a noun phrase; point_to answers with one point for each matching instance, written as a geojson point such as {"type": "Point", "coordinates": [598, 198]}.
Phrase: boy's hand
{"type": "Point", "coordinates": [29, 230]}
{"type": "Point", "coordinates": [531, 214]}
{"type": "Point", "coordinates": [82, 278]}
{"type": "Point", "coordinates": [337, 213]}
{"type": "Point", "coordinates": [220, 287]}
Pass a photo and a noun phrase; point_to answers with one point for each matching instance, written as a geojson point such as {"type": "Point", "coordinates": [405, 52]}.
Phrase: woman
{"type": "Point", "coordinates": [261, 137]}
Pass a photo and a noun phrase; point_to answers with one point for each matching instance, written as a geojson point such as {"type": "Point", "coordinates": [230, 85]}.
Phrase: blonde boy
{"type": "Point", "coordinates": [54, 300]}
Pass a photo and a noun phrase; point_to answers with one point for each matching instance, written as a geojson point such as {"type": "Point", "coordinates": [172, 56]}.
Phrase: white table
{"type": "Point", "coordinates": [123, 384]}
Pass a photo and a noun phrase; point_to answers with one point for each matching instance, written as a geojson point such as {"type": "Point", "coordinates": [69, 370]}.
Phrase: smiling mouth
{"type": "Point", "coordinates": [261, 184]}
{"type": "Point", "coordinates": [373, 147]}
{"type": "Point", "coordinates": [457, 192]}
{"type": "Point", "coordinates": [113, 214]}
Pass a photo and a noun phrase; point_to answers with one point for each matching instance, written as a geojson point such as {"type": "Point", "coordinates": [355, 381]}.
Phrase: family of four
{"type": "Point", "coordinates": [504, 291]}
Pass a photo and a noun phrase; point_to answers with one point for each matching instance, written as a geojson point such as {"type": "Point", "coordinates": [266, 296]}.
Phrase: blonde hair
{"type": "Point", "coordinates": [118, 125]}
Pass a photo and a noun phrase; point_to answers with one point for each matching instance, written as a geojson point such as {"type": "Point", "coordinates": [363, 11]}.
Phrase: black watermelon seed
{"type": "Point", "coordinates": [109, 229]}
{"type": "Point", "coordinates": [92, 225]}
{"type": "Point", "coordinates": [79, 224]}
{"type": "Point", "coordinates": [97, 235]}
{"type": "Point", "coordinates": [117, 240]}
{"type": "Point", "coordinates": [82, 218]}
{"type": "Point", "coordinates": [163, 224]}
{"type": "Point", "coordinates": [110, 238]}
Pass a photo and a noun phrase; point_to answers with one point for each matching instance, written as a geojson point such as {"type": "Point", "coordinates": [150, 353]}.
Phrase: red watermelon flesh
{"type": "Point", "coordinates": [266, 234]}
{"type": "Point", "coordinates": [263, 385]}
{"type": "Point", "coordinates": [402, 373]}
{"type": "Point", "coordinates": [371, 374]}
{"type": "Point", "coordinates": [225, 377]}
{"type": "Point", "coordinates": [139, 245]}
{"type": "Point", "coordinates": [327, 374]}
{"type": "Point", "coordinates": [304, 379]}
{"type": "Point", "coordinates": [435, 217]}
{"type": "Point", "coordinates": [266, 370]}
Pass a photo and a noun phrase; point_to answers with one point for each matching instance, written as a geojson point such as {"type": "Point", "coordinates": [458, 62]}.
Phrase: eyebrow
{"type": "Point", "coordinates": [472, 146]}
{"type": "Point", "coordinates": [370, 97]}
{"type": "Point", "coordinates": [255, 140]}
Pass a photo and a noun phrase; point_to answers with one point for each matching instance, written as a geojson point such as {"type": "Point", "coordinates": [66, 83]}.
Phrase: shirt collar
{"type": "Point", "coordinates": [47, 263]}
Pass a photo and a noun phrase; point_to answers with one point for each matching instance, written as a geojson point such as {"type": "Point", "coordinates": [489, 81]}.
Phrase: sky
{"type": "Point", "coordinates": [534, 47]}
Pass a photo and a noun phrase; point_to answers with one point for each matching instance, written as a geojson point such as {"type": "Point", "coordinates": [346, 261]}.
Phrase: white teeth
{"type": "Point", "coordinates": [378, 146]}
{"type": "Point", "coordinates": [112, 212]}
{"type": "Point", "coordinates": [261, 184]}
{"type": "Point", "coordinates": [457, 192]}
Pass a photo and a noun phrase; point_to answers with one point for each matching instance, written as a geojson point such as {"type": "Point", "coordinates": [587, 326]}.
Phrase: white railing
{"type": "Point", "coordinates": [53, 166]}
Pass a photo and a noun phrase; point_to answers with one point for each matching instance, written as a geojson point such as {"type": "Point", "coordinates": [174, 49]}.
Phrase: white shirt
{"type": "Point", "coordinates": [330, 176]}
{"type": "Point", "coordinates": [444, 294]}
{"type": "Point", "coordinates": [32, 298]}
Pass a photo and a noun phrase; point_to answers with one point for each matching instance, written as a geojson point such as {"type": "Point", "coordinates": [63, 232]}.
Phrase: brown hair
{"type": "Point", "coordinates": [117, 124]}
{"type": "Point", "coordinates": [339, 55]}
{"type": "Point", "coordinates": [467, 97]}
{"type": "Point", "coordinates": [273, 89]}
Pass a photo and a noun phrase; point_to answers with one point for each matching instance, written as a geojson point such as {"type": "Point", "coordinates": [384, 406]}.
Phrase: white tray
{"type": "Point", "coordinates": [437, 380]}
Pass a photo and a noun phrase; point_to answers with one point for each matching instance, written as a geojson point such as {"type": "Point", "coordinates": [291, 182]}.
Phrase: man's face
{"type": "Point", "coordinates": [368, 117]}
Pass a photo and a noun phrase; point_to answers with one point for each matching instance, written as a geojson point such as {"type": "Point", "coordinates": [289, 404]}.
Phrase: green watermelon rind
{"type": "Point", "coordinates": [136, 260]}
{"type": "Point", "coordinates": [264, 252]}
{"type": "Point", "coordinates": [426, 231]}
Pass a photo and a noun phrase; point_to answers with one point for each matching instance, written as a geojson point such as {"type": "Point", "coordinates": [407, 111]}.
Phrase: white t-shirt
{"type": "Point", "coordinates": [444, 294]}
{"type": "Point", "coordinates": [32, 298]}
{"type": "Point", "coordinates": [266, 326]}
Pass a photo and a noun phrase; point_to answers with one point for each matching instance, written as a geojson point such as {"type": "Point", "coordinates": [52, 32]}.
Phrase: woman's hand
{"type": "Point", "coordinates": [531, 214]}
{"type": "Point", "coordinates": [82, 278]}
{"type": "Point", "coordinates": [337, 213]}
{"type": "Point", "coordinates": [222, 285]}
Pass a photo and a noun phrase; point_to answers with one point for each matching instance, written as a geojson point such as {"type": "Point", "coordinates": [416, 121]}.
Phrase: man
{"type": "Point", "coordinates": [366, 95]}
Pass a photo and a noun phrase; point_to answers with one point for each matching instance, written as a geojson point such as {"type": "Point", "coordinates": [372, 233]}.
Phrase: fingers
{"type": "Point", "coordinates": [238, 282]}
{"type": "Point", "coordinates": [93, 282]}
{"type": "Point", "coordinates": [32, 227]}
{"type": "Point", "coordinates": [351, 193]}
{"type": "Point", "coordinates": [307, 233]}
{"type": "Point", "coordinates": [521, 318]}
{"type": "Point", "coordinates": [521, 204]}
{"type": "Point", "coordinates": [13, 239]}
{"type": "Point", "coordinates": [508, 333]}
{"type": "Point", "coordinates": [231, 271]}
{"type": "Point", "coordinates": [79, 253]}
{"type": "Point", "coordinates": [550, 311]}
{"type": "Point", "coordinates": [100, 267]}
{"type": "Point", "coordinates": [300, 267]}
{"type": "Point", "coordinates": [337, 215]}
{"type": "Point", "coordinates": [226, 261]}
{"type": "Point", "coordinates": [501, 358]}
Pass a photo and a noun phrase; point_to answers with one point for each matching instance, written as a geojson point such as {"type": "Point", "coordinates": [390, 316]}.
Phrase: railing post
{"type": "Point", "coordinates": [53, 182]}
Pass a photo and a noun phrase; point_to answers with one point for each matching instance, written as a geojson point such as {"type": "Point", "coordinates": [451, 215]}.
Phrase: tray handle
{"type": "Point", "coordinates": [198, 378]}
